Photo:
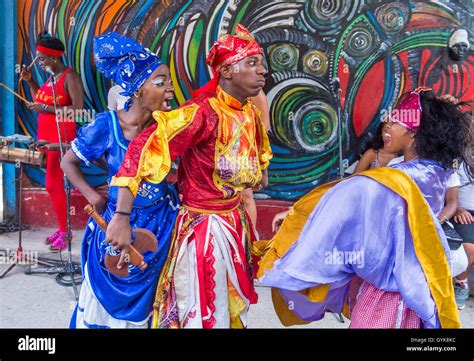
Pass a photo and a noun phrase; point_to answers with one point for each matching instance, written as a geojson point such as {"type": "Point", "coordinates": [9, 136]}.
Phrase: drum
{"type": "Point", "coordinates": [20, 155]}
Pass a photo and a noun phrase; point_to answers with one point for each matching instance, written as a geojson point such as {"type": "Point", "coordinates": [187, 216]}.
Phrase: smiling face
{"type": "Point", "coordinates": [246, 77]}
{"type": "Point", "coordinates": [157, 92]}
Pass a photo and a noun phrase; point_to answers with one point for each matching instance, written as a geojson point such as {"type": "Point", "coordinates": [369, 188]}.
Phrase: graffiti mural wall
{"type": "Point", "coordinates": [377, 50]}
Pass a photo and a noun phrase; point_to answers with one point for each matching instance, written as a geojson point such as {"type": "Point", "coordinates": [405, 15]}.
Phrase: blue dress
{"type": "Point", "coordinates": [106, 300]}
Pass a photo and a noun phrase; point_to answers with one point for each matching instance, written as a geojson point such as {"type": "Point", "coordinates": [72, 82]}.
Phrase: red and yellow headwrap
{"type": "Point", "coordinates": [228, 50]}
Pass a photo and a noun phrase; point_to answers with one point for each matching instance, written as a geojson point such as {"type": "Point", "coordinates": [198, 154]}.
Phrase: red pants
{"type": "Point", "coordinates": [47, 130]}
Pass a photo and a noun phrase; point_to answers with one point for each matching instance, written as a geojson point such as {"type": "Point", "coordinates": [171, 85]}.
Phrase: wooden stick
{"type": "Point", "coordinates": [136, 258]}
{"type": "Point", "coordinates": [14, 93]}
{"type": "Point", "coordinates": [34, 60]}
{"type": "Point", "coordinates": [29, 66]}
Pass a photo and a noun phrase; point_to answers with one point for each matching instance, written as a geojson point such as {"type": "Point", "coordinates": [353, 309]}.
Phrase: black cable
{"type": "Point", "coordinates": [62, 278]}
{"type": "Point", "coordinates": [8, 227]}
{"type": "Point", "coordinates": [76, 269]}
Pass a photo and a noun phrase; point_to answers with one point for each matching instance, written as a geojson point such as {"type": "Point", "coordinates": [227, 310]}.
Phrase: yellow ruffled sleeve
{"type": "Point", "coordinates": [148, 156]}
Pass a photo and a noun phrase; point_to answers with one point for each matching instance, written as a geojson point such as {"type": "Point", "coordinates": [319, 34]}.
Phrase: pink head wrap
{"type": "Point", "coordinates": [408, 110]}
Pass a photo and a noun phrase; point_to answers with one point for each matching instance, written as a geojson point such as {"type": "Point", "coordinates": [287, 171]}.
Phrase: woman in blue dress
{"type": "Point", "coordinates": [107, 300]}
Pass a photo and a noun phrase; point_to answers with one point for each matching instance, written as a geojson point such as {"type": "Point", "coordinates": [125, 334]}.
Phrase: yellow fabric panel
{"type": "Point", "coordinates": [236, 146]}
{"type": "Point", "coordinates": [154, 163]}
{"type": "Point", "coordinates": [345, 309]}
{"type": "Point", "coordinates": [316, 294]}
{"type": "Point", "coordinates": [290, 229]}
{"type": "Point", "coordinates": [155, 160]}
{"type": "Point", "coordinates": [132, 183]}
{"type": "Point", "coordinates": [286, 316]}
{"type": "Point", "coordinates": [427, 245]}
{"type": "Point", "coordinates": [176, 120]}
{"type": "Point", "coordinates": [236, 306]}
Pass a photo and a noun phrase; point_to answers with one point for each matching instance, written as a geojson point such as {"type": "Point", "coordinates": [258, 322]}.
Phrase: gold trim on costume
{"type": "Point", "coordinates": [155, 159]}
{"type": "Point", "coordinates": [212, 211]}
{"type": "Point", "coordinates": [242, 148]}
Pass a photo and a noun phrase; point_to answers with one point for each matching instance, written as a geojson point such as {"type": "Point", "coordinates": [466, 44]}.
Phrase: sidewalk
{"type": "Point", "coordinates": [38, 301]}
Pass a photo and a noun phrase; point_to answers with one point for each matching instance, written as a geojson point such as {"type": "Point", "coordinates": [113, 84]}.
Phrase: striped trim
{"type": "Point", "coordinates": [78, 154]}
{"type": "Point", "coordinates": [116, 123]}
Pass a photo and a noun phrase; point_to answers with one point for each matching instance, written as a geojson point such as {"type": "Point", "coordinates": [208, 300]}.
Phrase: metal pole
{"type": "Point", "coordinates": [69, 267]}
{"type": "Point", "coordinates": [339, 131]}
{"type": "Point", "coordinates": [8, 60]}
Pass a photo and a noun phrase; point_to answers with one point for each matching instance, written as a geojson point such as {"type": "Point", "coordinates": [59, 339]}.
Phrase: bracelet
{"type": "Point", "coordinates": [122, 213]}
{"type": "Point", "coordinates": [44, 108]}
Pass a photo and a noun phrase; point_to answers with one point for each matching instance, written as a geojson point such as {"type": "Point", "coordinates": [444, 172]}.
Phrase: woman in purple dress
{"type": "Point", "coordinates": [379, 227]}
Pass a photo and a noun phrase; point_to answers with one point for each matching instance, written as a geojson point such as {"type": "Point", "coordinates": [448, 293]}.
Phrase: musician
{"type": "Point", "coordinates": [105, 299]}
{"type": "Point", "coordinates": [69, 96]}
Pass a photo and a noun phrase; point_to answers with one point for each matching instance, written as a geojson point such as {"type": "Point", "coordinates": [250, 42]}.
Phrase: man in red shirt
{"type": "Point", "coordinates": [207, 281]}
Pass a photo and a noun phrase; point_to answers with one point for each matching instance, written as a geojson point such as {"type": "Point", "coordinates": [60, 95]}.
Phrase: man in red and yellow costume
{"type": "Point", "coordinates": [207, 281]}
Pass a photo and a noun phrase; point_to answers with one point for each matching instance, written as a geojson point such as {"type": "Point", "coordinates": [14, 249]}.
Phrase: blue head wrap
{"type": "Point", "coordinates": [124, 61]}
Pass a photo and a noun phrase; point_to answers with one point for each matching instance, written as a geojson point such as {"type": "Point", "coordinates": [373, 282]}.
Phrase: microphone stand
{"type": "Point", "coordinates": [336, 87]}
{"type": "Point", "coordinates": [66, 272]}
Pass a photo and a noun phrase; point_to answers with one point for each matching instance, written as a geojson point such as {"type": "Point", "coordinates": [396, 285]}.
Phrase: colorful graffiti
{"type": "Point", "coordinates": [377, 50]}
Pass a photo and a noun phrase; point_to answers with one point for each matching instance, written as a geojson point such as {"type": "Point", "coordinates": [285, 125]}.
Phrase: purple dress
{"type": "Point", "coordinates": [359, 228]}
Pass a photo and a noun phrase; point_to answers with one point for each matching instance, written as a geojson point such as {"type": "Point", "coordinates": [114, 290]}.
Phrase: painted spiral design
{"type": "Point", "coordinates": [360, 42]}
{"type": "Point", "coordinates": [383, 45]}
{"type": "Point", "coordinates": [303, 115]}
{"type": "Point", "coordinates": [315, 62]}
{"type": "Point", "coordinates": [393, 17]}
{"type": "Point", "coordinates": [283, 57]}
{"type": "Point", "coordinates": [327, 16]}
